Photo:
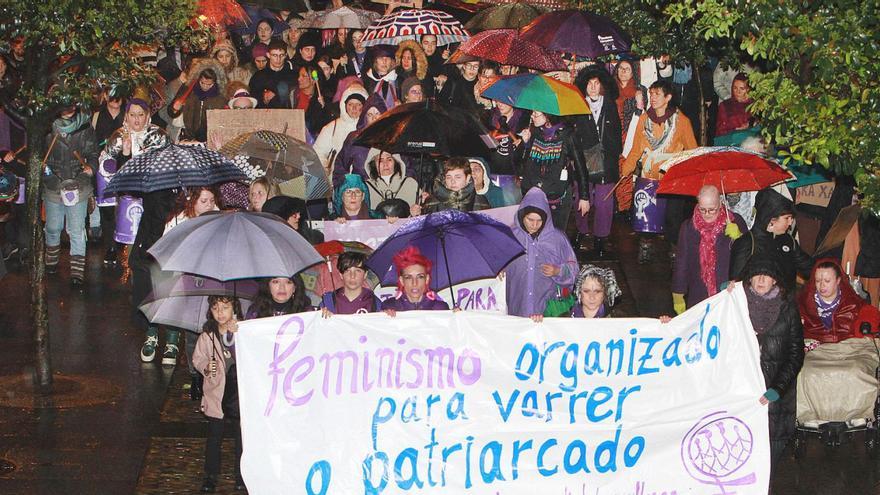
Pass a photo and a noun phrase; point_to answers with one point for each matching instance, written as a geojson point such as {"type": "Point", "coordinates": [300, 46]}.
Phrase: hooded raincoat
{"type": "Point", "coordinates": [332, 136]}
{"type": "Point", "coordinates": [528, 290]}
{"type": "Point", "coordinates": [398, 186]}
{"type": "Point", "coordinates": [352, 159]}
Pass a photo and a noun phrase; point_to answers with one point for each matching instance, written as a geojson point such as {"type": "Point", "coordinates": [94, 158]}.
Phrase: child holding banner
{"type": "Point", "coordinates": [214, 357]}
{"type": "Point", "coordinates": [352, 297]}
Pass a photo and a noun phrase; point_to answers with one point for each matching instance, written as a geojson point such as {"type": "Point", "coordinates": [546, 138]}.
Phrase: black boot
{"type": "Point", "coordinates": [598, 251]}
{"type": "Point", "coordinates": [195, 389]}
{"type": "Point", "coordinates": [111, 254]}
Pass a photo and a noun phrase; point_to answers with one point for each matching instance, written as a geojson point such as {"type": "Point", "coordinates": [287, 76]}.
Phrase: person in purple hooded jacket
{"type": "Point", "coordinates": [413, 284]}
{"type": "Point", "coordinates": [548, 263]}
{"type": "Point", "coordinates": [352, 297]}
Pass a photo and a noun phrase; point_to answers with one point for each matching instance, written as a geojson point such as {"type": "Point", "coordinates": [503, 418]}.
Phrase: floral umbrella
{"type": "Point", "coordinates": [411, 24]}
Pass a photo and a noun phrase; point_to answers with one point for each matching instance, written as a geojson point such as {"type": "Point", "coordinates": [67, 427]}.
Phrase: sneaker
{"type": "Point", "coordinates": [169, 357]}
{"type": "Point", "coordinates": [148, 351]}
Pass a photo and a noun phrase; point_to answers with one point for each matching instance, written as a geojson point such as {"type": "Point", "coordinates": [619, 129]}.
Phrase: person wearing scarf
{"type": "Point", "coordinates": [830, 308]}
{"type": "Point", "coordinates": [733, 113]}
{"type": "Point", "coordinates": [195, 101]}
{"type": "Point", "coordinates": [703, 250]}
{"type": "Point", "coordinates": [70, 163]}
{"type": "Point", "coordinates": [777, 325]}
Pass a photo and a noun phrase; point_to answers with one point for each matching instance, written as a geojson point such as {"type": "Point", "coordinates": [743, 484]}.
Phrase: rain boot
{"type": "Point", "coordinates": [148, 350]}
{"type": "Point", "coordinates": [52, 255]}
{"type": "Point", "coordinates": [169, 356]}
{"type": "Point", "coordinates": [77, 270]}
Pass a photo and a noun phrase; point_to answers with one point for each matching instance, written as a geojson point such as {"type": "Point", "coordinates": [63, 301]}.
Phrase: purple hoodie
{"type": "Point", "coordinates": [528, 290]}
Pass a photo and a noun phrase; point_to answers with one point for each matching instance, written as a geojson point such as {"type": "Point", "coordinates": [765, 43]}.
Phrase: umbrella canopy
{"type": "Point", "coordinates": [341, 17]}
{"type": "Point", "coordinates": [430, 128]}
{"type": "Point", "coordinates": [504, 16]}
{"type": "Point", "coordinates": [182, 299]}
{"type": "Point", "coordinates": [174, 166]}
{"type": "Point", "coordinates": [538, 92]}
{"type": "Point", "coordinates": [427, 128]}
{"type": "Point", "coordinates": [287, 161]}
{"type": "Point", "coordinates": [506, 47]}
{"type": "Point", "coordinates": [806, 175]}
{"type": "Point", "coordinates": [731, 170]}
{"type": "Point", "coordinates": [463, 246]}
{"type": "Point", "coordinates": [233, 246]}
{"type": "Point", "coordinates": [221, 13]}
{"type": "Point", "coordinates": [410, 24]}
{"type": "Point", "coordinates": [579, 32]}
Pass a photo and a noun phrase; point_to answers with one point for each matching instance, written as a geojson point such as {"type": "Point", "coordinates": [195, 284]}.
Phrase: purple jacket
{"type": "Point", "coordinates": [686, 277]}
{"type": "Point", "coordinates": [528, 290]}
{"type": "Point", "coordinates": [401, 303]}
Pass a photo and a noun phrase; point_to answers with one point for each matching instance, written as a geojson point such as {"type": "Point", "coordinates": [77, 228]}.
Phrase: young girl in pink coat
{"type": "Point", "coordinates": [214, 357]}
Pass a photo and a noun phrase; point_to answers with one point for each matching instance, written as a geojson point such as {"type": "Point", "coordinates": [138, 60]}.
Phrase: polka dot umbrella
{"type": "Point", "coordinates": [411, 24]}
{"type": "Point", "coordinates": [174, 166]}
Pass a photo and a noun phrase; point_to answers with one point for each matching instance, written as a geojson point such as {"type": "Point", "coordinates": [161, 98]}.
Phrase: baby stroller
{"type": "Point", "coordinates": [830, 410]}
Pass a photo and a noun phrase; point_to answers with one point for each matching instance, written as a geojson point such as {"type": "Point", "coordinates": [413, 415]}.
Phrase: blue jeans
{"type": "Point", "coordinates": [57, 215]}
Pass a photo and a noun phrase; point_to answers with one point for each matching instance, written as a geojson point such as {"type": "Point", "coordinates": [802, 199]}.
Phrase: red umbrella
{"type": "Point", "coordinates": [505, 46]}
{"type": "Point", "coordinates": [577, 31]}
{"type": "Point", "coordinates": [222, 13]}
{"type": "Point", "coordinates": [730, 169]}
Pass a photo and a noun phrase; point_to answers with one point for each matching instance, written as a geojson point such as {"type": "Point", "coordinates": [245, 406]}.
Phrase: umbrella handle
{"type": "Point", "coordinates": [442, 236]}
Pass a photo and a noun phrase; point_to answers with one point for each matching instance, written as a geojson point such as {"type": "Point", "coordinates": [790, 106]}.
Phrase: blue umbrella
{"type": "Point", "coordinates": [174, 166]}
{"type": "Point", "coordinates": [234, 246]}
{"type": "Point", "coordinates": [463, 246]}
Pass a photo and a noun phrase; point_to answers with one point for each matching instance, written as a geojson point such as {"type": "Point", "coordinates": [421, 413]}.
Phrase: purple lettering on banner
{"type": "Point", "coordinates": [274, 367]}
{"type": "Point", "coordinates": [716, 448]}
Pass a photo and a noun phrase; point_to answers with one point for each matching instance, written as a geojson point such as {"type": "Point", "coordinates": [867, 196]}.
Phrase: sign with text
{"type": "Point", "coordinates": [475, 402]}
{"type": "Point", "coordinates": [816, 194]}
{"type": "Point", "coordinates": [223, 125]}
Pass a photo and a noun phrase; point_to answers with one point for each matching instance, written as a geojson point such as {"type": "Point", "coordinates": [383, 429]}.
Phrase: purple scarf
{"type": "Point", "coordinates": [550, 132]}
{"type": "Point", "coordinates": [826, 310]}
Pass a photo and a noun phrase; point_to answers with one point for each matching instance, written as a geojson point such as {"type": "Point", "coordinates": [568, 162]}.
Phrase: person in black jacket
{"type": "Point", "coordinates": [771, 237]}
{"type": "Point", "coordinates": [601, 128]}
{"type": "Point", "coordinates": [777, 324]}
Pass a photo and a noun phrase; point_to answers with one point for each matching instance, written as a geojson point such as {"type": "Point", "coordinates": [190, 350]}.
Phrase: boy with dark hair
{"type": "Point", "coordinates": [453, 190]}
{"type": "Point", "coordinates": [352, 297]}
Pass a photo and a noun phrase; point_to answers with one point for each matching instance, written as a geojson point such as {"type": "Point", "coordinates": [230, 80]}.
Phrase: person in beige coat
{"type": "Point", "coordinates": [214, 357]}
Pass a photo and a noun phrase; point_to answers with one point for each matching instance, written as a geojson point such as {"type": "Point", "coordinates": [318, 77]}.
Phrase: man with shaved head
{"type": "Point", "coordinates": [703, 251]}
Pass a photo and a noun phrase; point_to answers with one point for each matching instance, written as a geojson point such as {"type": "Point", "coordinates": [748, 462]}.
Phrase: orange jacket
{"type": "Point", "coordinates": [682, 139]}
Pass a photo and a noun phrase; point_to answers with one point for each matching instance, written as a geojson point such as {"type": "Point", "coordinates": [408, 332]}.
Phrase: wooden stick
{"type": "Point", "coordinates": [52, 145]}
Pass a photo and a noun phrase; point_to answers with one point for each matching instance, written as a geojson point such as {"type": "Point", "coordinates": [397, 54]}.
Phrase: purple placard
{"type": "Point", "coordinates": [128, 217]}
{"type": "Point", "coordinates": [649, 211]}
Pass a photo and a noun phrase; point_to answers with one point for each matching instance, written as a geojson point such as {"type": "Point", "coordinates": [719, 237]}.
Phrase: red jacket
{"type": "Point", "coordinates": [847, 318]}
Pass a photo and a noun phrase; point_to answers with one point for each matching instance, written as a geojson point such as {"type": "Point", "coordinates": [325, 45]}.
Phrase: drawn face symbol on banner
{"type": "Point", "coordinates": [716, 448]}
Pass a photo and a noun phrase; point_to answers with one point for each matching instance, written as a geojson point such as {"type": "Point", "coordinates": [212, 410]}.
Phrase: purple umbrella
{"type": "Point", "coordinates": [182, 299]}
{"type": "Point", "coordinates": [477, 246]}
{"type": "Point", "coordinates": [577, 31]}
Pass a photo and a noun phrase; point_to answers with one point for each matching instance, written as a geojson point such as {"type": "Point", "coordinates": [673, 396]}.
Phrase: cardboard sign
{"type": "Point", "coordinates": [816, 194]}
{"type": "Point", "coordinates": [477, 402]}
{"type": "Point", "coordinates": [227, 124]}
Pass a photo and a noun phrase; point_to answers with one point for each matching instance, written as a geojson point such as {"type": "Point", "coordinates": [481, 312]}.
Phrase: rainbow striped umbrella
{"type": "Point", "coordinates": [538, 92]}
{"type": "Point", "coordinates": [411, 24]}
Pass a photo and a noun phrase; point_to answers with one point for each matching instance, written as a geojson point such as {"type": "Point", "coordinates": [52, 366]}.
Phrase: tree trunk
{"type": "Point", "coordinates": [704, 113]}
{"type": "Point", "coordinates": [36, 139]}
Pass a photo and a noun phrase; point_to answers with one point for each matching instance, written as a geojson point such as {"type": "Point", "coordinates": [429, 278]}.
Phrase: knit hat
{"type": "Point", "coordinates": [762, 265]}
{"type": "Point", "coordinates": [356, 96]}
{"type": "Point", "coordinates": [259, 50]}
{"type": "Point", "coordinates": [309, 38]}
{"type": "Point", "coordinates": [408, 83]}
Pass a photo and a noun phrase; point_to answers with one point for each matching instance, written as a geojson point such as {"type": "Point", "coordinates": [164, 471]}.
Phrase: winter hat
{"type": "Point", "coordinates": [382, 51]}
{"type": "Point", "coordinates": [352, 181]}
{"type": "Point", "coordinates": [240, 96]}
{"type": "Point", "coordinates": [309, 38]}
{"type": "Point", "coordinates": [408, 83]}
{"type": "Point", "coordinates": [762, 265]}
{"type": "Point", "coordinates": [769, 204]}
{"type": "Point", "coordinates": [259, 50]}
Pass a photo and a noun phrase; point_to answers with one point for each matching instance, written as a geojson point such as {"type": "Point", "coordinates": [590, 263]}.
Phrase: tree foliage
{"type": "Point", "coordinates": [820, 95]}
{"type": "Point", "coordinates": [72, 45]}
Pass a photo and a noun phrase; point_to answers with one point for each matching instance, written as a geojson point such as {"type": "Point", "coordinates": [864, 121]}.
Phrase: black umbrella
{"type": "Point", "coordinates": [428, 128]}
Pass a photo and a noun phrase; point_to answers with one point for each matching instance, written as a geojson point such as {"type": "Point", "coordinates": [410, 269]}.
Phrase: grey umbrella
{"type": "Point", "coordinates": [234, 246]}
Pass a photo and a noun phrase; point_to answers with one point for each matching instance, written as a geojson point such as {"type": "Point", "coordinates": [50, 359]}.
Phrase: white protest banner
{"type": "Point", "coordinates": [443, 402]}
{"type": "Point", "coordinates": [479, 295]}
{"type": "Point", "coordinates": [373, 232]}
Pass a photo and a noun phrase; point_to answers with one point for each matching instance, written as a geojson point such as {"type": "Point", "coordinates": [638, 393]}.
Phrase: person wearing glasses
{"type": "Point", "coordinates": [702, 261]}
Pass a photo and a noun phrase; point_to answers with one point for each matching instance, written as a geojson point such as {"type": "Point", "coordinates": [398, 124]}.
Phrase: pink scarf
{"type": "Point", "coordinates": [708, 256]}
